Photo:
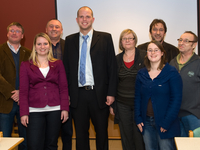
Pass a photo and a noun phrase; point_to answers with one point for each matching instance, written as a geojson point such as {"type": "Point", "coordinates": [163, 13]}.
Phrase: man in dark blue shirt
{"type": "Point", "coordinates": [54, 30]}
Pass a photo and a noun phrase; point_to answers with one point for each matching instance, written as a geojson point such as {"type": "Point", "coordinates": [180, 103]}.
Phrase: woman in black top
{"type": "Point", "coordinates": [130, 60]}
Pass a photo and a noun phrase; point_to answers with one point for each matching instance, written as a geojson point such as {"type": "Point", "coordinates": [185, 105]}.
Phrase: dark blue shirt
{"type": "Point", "coordinates": [57, 51]}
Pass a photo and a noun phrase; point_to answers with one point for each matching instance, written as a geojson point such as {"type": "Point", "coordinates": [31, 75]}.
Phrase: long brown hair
{"type": "Point", "coordinates": [163, 57]}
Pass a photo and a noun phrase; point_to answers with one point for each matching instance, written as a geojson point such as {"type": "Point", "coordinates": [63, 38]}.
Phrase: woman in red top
{"type": "Point", "coordinates": [129, 62]}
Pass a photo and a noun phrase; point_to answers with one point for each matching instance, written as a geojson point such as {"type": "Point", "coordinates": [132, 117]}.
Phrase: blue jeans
{"type": "Point", "coordinates": [152, 139]}
{"type": "Point", "coordinates": [187, 123]}
{"type": "Point", "coordinates": [6, 125]}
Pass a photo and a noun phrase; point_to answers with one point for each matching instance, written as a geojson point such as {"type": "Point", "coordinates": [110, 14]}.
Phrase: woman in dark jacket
{"type": "Point", "coordinates": [129, 62]}
{"type": "Point", "coordinates": [158, 94]}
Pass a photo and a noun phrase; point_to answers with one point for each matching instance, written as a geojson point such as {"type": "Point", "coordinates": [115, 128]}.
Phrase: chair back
{"type": "Point", "coordinates": [195, 132]}
{"type": "Point", "coordinates": [1, 134]}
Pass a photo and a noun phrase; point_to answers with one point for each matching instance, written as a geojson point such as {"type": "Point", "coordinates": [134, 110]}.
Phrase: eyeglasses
{"type": "Point", "coordinates": [185, 41]}
{"type": "Point", "coordinates": [16, 31]}
{"type": "Point", "coordinates": [129, 39]}
{"type": "Point", "coordinates": [151, 50]}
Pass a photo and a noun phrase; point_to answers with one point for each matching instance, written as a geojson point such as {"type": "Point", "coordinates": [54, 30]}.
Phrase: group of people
{"type": "Point", "coordinates": [152, 89]}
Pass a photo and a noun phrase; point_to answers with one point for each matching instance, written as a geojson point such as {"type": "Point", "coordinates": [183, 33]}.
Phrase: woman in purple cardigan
{"type": "Point", "coordinates": [43, 95]}
{"type": "Point", "coordinates": [158, 94]}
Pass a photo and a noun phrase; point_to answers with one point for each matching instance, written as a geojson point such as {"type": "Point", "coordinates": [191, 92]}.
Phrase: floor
{"type": "Point", "coordinates": [113, 144]}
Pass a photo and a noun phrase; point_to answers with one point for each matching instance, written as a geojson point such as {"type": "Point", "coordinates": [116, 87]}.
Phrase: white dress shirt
{"type": "Point", "coordinates": [88, 68]}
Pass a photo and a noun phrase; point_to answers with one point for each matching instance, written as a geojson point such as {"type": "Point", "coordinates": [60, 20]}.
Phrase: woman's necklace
{"type": "Point", "coordinates": [44, 64]}
{"type": "Point", "coordinates": [129, 58]}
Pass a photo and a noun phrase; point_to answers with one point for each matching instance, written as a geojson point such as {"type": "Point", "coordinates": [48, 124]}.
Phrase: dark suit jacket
{"type": "Point", "coordinates": [62, 44]}
{"type": "Point", "coordinates": [103, 63]}
{"type": "Point", "coordinates": [171, 51]}
{"type": "Point", "coordinates": [37, 91]}
{"type": "Point", "coordinates": [8, 75]}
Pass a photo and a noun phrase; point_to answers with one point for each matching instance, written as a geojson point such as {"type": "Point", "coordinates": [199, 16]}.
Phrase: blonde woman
{"type": "Point", "coordinates": [129, 61]}
{"type": "Point", "coordinates": [43, 95]}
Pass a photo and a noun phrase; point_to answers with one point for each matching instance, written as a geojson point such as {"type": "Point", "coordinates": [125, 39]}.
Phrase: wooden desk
{"type": "Point", "coordinates": [9, 143]}
{"type": "Point", "coordinates": [187, 143]}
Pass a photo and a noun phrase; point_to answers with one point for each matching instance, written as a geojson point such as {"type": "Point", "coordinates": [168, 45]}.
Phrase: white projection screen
{"type": "Point", "coordinates": [114, 16]}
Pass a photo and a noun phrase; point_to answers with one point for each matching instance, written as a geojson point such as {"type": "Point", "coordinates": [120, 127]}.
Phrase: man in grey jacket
{"type": "Point", "coordinates": [188, 65]}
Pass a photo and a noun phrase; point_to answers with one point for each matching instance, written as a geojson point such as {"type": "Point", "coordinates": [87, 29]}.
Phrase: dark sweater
{"type": "Point", "coordinates": [16, 60]}
{"type": "Point", "coordinates": [138, 64]}
{"type": "Point", "coordinates": [126, 77]}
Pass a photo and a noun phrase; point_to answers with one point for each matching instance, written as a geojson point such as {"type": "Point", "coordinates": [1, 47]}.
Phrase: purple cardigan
{"type": "Point", "coordinates": [37, 91]}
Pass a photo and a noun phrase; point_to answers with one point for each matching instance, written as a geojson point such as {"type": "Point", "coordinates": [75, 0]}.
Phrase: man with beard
{"type": "Point", "coordinates": [54, 29]}
{"type": "Point", "coordinates": [158, 31]}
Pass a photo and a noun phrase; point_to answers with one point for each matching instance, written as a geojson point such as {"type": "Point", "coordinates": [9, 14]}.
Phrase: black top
{"type": "Point", "coordinates": [127, 77]}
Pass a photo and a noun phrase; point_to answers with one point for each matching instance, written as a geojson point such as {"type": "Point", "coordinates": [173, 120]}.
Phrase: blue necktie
{"type": "Point", "coordinates": [83, 60]}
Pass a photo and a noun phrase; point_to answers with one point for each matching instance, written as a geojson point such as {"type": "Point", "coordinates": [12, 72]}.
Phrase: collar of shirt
{"type": "Point", "coordinates": [178, 61]}
{"type": "Point", "coordinates": [57, 44]}
{"type": "Point", "coordinates": [12, 48]}
{"type": "Point", "coordinates": [89, 38]}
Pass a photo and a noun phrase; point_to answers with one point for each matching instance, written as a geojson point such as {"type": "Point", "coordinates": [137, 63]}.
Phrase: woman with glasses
{"type": "Point", "coordinates": [158, 94]}
{"type": "Point", "coordinates": [43, 95]}
{"type": "Point", "coordinates": [129, 62]}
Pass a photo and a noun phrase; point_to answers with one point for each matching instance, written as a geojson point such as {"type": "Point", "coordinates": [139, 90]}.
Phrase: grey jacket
{"type": "Point", "coordinates": [190, 74]}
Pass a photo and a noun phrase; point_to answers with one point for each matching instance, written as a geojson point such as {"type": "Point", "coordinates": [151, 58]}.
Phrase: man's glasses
{"type": "Point", "coordinates": [185, 41]}
{"type": "Point", "coordinates": [16, 31]}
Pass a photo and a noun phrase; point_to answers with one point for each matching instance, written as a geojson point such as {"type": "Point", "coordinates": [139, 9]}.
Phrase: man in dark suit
{"type": "Point", "coordinates": [12, 53]}
{"type": "Point", "coordinates": [54, 30]}
{"type": "Point", "coordinates": [90, 99]}
{"type": "Point", "coordinates": [158, 31]}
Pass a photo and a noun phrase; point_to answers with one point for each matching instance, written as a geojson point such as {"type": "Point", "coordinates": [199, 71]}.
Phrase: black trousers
{"type": "Point", "coordinates": [88, 109]}
{"type": "Point", "coordinates": [131, 137]}
{"type": "Point", "coordinates": [66, 133]}
{"type": "Point", "coordinates": [43, 130]}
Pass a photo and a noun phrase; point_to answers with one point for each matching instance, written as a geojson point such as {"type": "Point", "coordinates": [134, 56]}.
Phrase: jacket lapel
{"type": "Point", "coordinates": [22, 55]}
{"type": "Point", "coordinates": [35, 69]}
{"type": "Point", "coordinates": [51, 68]}
{"type": "Point", "coordinates": [75, 51]}
{"type": "Point", "coordinates": [7, 50]}
{"type": "Point", "coordinates": [76, 43]}
{"type": "Point", "coordinates": [95, 38]}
